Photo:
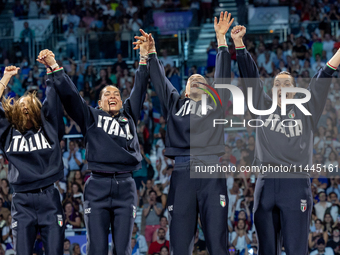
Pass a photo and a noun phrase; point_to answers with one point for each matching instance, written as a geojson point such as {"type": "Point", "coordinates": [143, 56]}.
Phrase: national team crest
{"type": "Point", "coordinates": [134, 212]}
{"type": "Point", "coordinates": [291, 114]}
{"type": "Point", "coordinates": [303, 205]}
{"type": "Point", "coordinates": [60, 220]}
{"type": "Point", "coordinates": [123, 119]}
{"type": "Point", "coordinates": [222, 200]}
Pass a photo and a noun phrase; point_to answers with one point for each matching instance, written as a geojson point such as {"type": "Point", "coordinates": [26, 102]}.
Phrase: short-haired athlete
{"type": "Point", "coordinates": [283, 201]}
{"type": "Point", "coordinates": [191, 137]}
{"type": "Point", "coordinates": [30, 133]}
{"type": "Point", "coordinates": [112, 152]}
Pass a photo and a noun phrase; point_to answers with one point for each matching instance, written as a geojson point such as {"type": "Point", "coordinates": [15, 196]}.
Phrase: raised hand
{"type": "Point", "coordinates": [150, 42]}
{"type": "Point", "coordinates": [11, 70]}
{"type": "Point", "coordinates": [223, 24]}
{"type": "Point", "coordinates": [142, 44]}
{"type": "Point", "coordinates": [238, 32]}
{"type": "Point", "coordinates": [47, 58]}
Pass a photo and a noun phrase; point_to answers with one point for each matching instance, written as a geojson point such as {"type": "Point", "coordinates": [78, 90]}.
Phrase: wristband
{"type": "Point", "coordinates": [143, 58]}
{"type": "Point", "coordinates": [3, 84]}
{"type": "Point", "coordinates": [330, 66]}
{"type": "Point", "coordinates": [240, 48]}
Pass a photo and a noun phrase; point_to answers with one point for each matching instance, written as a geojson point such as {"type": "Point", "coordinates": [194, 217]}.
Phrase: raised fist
{"type": "Point", "coordinates": [11, 70]}
{"type": "Point", "coordinates": [47, 58]}
{"type": "Point", "coordinates": [238, 32]}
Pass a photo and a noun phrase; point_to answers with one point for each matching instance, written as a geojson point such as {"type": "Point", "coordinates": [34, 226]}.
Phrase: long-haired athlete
{"type": "Point", "coordinates": [30, 133]}
{"type": "Point", "coordinates": [283, 201]}
{"type": "Point", "coordinates": [191, 138]}
{"type": "Point", "coordinates": [112, 152]}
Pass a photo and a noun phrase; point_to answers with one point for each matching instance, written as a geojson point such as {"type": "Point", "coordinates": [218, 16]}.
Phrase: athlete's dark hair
{"type": "Point", "coordinates": [102, 91]}
{"type": "Point", "coordinates": [288, 73]}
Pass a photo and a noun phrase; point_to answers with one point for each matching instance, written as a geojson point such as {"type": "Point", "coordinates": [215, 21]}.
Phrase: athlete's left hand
{"type": "Point", "coordinates": [224, 23]}
{"type": "Point", "coordinates": [142, 43]}
{"type": "Point", "coordinates": [46, 57]}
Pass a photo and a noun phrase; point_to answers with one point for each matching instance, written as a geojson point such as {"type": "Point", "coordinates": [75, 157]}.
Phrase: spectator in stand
{"type": "Point", "coordinates": [152, 210]}
{"type": "Point", "coordinates": [334, 209]}
{"type": "Point", "coordinates": [29, 81]}
{"type": "Point", "coordinates": [163, 223]}
{"type": "Point", "coordinates": [135, 23]}
{"type": "Point", "coordinates": [73, 18]}
{"type": "Point", "coordinates": [97, 23]}
{"type": "Point", "coordinates": [18, 9]}
{"type": "Point", "coordinates": [322, 249]}
{"type": "Point", "coordinates": [212, 52]}
{"type": "Point", "coordinates": [236, 152]}
{"type": "Point", "coordinates": [322, 205]}
{"type": "Point", "coordinates": [228, 155]}
{"type": "Point", "coordinates": [130, 10]}
{"type": "Point", "coordinates": [7, 236]}
{"type": "Point", "coordinates": [334, 187]}
{"type": "Point", "coordinates": [67, 247]}
{"type": "Point", "coordinates": [3, 210]}
{"type": "Point", "coordinates": [76, 249]}
{"type": "Point", "coordinates": [88, 19]}
{"type": "Point", "coordinates": [101, 83]}
{"type": "Point", "coordinates": [141, 175]}
{"type": "Point", "coordinates": [71, 126]}
{"type": "Point", "coordinates": [72, 43]}
{"type": "Point", "coordinates": [164, 251]}
{"type": "Point", "coordinates": [147, 187]}
{"type": "Point", "coordinates": [33, 9]}
{"type": "Point", "coordinates": [239, 238]}
{"type": "Point", "coordinates": [300, 49]}
{"type": "Point", "coordinates": [74, 159]}
{"type": "Point", "coordinates": [134, 246]}
{"type": "Point", "coordinates": [143, 247]}
{"type": "Point", "coordinates": [328, 45]}
{"type": "Point", "coordinates": [157, 245]}
{"type": "Point", "coordinates": [72, 218]}
{"type": "Point", "coordinates": [317, 234]}
{"type": "Point", "coordinates": [334, 242]}
{"type": "Point", "coordinates": [120, 62]}
{"type": "Point", "coordinates": [165, 59]}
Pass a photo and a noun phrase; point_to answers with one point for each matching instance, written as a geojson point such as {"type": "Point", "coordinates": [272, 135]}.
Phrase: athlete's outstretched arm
{"type": "Point", "coordinates": [134, 103]}
{"type": "Point", "coordinates": [166, 92]}
{"type": "Point", "coordinates": [74, 104]}
{"type": "Point", "coordinates": [53, 108]}
{"type": "Point", "coordinates": [248, 70]}
{"type": "Point", "coordinates": [223, 59]}
{"type": "Point", "coordinates": [8, 73]}
{"type": "Point", "coordinates": [319, 87]}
